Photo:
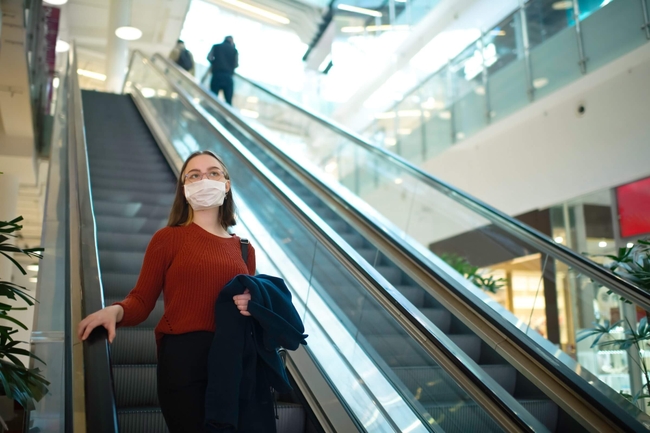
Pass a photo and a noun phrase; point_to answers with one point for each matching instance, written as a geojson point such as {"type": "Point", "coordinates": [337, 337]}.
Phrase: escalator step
{"type": "Point", "coordinates": [122, 242]}
{"type": "Point", "coordinates": [115, 224]}
{"type": "Point", "coordinates": [113, 196]}
{"type": "Point", "coordinates": [141, 420]}
{"type": "Point", "coordinates": [118, 285]}
{"type": "Point", "coordinates": [392, 273]}
{"type": "Point", "coordinates": [291, 418]}
{"type": "Point", "coordinates": [121, 261]}
{"type": "Point", "coordinates": [107, 208]}
{"type": "Point", "coordinates": [156, 166]}
{"type": "Point", "coordinates": [135, 385]}
{"type": "Point", "coordinates": [136, 175]}
{"type": "Point", "coordinates": [415, 295]}
{"type": "Point", "coordinates": [439, 317]}
{"type": "Point", "coordinates": [133, 185]}
{"type": "Point", "coordinates": [134, 346]}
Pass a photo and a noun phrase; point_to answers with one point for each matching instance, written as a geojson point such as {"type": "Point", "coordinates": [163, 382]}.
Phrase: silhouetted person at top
{"type": "Point", "coordinates": [182, 57]}
{"type": "Point", "coordinates": [224, 58]}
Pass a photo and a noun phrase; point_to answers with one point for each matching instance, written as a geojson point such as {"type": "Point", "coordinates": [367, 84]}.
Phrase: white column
{"type": "Point", "coordinates": [8, 206]}
{"type": "Point", "coordinates": [117, 51]}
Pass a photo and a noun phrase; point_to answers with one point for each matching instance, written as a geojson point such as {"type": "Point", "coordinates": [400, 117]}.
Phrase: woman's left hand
{"type": "Point", "coordinates": [241, 301]}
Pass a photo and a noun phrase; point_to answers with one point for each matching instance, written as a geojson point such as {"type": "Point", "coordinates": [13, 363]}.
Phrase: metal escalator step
{"type": "Point", "coordinates": [135, 385]}
{"type": "Point", "coordinates": [107, 208]}
{"type": "Point", "coordinates": [414, 294]}
{"type": "Point", "coordinates": [398, 351]}
{"type": "Point", "coordinates": [434, 385]}
{"type": "Point", "coordinates": [133, 185]}
{"type": "Point", "coordinates": [291, 418]}
{"type": "Point", "coordinates": [439, 317]}
{"type": "Point", "coordinates": [127, 166]}
{"type": "Point", "coordinates": [544, 410]}
{"type": "Point", "coordinates": [114, 224]}
{"type": "Point", "coordinates": [117, 284]}
{"type": "Point", "coordinates": [369, 255]}
{"type": "Point", "coordinates": [134, 346]}
{"type": "Point", "coordinates": [113, 196]}
{"type": "Point", "coordinates": [355, 240]}
{"type": "Point", "coordinates": [122, 242]}
{"type": "Point", "coordinates": [154, 317]}
{"type": "Point", "coordinates": [392, 273]}
{"type": "Point", "coordinates": [141, 420]}
{"type": "Point", "coordinates": [136, 175]}
{"type": "Point", "coordinates": [121, 261]}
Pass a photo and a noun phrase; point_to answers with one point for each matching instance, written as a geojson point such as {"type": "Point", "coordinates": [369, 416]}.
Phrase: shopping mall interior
{"type": "Point", "coordinates": [456, 194]}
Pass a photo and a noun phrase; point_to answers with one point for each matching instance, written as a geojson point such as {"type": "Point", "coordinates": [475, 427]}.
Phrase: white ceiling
{"type": "Point", "coordinates": [161, 21]}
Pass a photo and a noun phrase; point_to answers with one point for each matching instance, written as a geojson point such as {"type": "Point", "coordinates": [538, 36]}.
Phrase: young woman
{"type": "Point", "coordinates": [190, 261]}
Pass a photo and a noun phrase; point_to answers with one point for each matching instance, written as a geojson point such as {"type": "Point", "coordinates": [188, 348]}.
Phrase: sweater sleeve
{"type": "Point", "coordinates": [142, 299]}
{"type": "Point", "coordinates": [251, 260]}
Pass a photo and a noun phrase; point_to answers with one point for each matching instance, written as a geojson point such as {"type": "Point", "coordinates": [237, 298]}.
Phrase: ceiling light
{"type": "Point", "coordinates": [128, 33]}
{"type": "Point", "coordinates": [148, 92]}
{"type": "Point", "coordinates": [331, 166]}
{"type": "Point", "coordinates": [479, 90]}
{"type": "Point", "coordinates": [559, 239]}
{"type": "Point", "coordinates": [352, 29]}
{"type": "Point", "coordinates": [630, 244]}
{"type": "Point", "coordinates": [253, 99]}
{"type": "Point", "coordinates": [538, 83]}
{"type": "Point", "coordinates": [602, 244]}
{"type": "Point", "coordinates": [445, 115]}
{"type": "Point", "coordinates": [33, 268]}
{"type": "Point", "coordinates": [259, 11]}
{"type": "Point", "coordinates": [429, 104]}
{"type": "Point", "coordinates": [386, 28]}
{"type": "Point", "coordinates": [387, 115]}
{"type": "Point", "coordinates": [390, 141]}
{"type": "Point", "coordinates": [33, 279]}
{"type": "Point", "coordinates": [249, 113]}
{"type": "Point", "coordinates": [359, 10]}
{"type": "Point", "coordinates": [91, 74]}
{"type": "Point", "coordinates": [162, 92]}
{"type": "Point", "coordinates": [460, 135]}
{"type": "Point", "coordinates": [404, 131]}
{"type": "Point", "coordinates": [55, 82]}
{"type": "Point", "coordinates": [562, 5]}
{"type": "Point", "coordinates": [55, 2]}
{"type": "Point", "coordinates": [409, 113]}
{"type": "Point", "coordinates": [62, 46]}
{"type": "Point", "coordinates": [398, 181]}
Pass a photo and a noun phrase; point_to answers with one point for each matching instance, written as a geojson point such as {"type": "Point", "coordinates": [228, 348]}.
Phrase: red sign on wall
{"type": "Point", "coordinates": [634, 208]}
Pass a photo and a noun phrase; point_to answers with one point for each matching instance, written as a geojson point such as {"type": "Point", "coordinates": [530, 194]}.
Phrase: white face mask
{"type": "Point", "coordinates": [205, 194]}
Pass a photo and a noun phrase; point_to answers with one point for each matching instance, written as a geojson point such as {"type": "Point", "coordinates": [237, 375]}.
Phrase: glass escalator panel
{"type": "Point", "coordinates": [544, 293]}
{"type": "Point", "coordinates": [387, 379]}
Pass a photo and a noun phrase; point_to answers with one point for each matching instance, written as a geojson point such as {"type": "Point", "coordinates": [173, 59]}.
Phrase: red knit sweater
{"type": "Point", "coordinates": [190, 266]}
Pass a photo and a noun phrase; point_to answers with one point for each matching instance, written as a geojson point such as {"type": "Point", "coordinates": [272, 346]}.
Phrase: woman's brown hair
{"type": "Point", "coordinates": [182, 213]}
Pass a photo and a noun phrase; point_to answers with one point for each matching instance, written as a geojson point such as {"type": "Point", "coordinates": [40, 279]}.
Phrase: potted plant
{"type": "Point", "coordinates": [633, 264]}
{"type": "Point", "coordinates": [17, 381]}
{"type": "Point", "coordinates": [471, 273]}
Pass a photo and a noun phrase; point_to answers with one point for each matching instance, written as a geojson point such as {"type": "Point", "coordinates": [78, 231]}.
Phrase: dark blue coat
{"type": "Point", "coordinates": [243, 361]}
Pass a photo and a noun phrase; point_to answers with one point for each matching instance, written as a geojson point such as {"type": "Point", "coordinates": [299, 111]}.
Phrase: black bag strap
{"type": "Point", "coordinates": [244, 249]}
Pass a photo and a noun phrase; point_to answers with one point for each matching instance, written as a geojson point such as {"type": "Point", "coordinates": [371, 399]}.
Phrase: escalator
{"type": "Point", "coordinates": [394, 356]}
{"type": "Point", "coordinates": [503, 233]}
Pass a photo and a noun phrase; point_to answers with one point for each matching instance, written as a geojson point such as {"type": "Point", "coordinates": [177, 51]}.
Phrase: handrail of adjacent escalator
{"type": "Point", "coordinates": [607, 407]}
{"type": "Point", "coordinates": [100, 408]}
{"type": "Point", "coordinates": [505, 222]}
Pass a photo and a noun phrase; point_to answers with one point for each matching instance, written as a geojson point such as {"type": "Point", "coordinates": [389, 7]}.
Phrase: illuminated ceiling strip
{"type": "Point", "coordinates": [91, 74]}
{"type": "Point", "coordinates": [262, 12]}
{"type": "Point", "coordinates": [359, 10]}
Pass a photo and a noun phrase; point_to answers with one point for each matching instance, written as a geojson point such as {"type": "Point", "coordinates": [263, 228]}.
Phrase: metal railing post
{"type": "Point", "coordinates": [581, 46]}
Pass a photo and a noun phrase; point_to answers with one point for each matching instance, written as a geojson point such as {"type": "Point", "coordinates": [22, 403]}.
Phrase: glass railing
{"type": "Point", "coordinates": [555, 289]}
{"type": "Point", "coordinates": [339, 311]}
{"type": "Point", "coordinates": [538, 49]}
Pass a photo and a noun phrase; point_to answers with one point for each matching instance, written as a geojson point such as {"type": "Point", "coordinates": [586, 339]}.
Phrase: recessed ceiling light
{"type": "Point", "coordinates": [602, 244]}
{"type": "Point", "coordinates": [55, 2]}
{"type": "Point", "coordinates": [538, 83]}
{"type": "Point", "coordinates": [359, 10]}
{"type": "Point", "coordinates": [33, 279]}
{"type": "Point", "coordinates": [128, 33]}
{"type": "Point", "coordinates": [445, 115]}
{"type": "Point", "coordinates": [390, 141]}
{"type": "Point", "coordinates": [398, 181]}
{"type": "Point", "coordinates": [91, 74]}
{"type": "Point", "coordinates": [55, 82]}
{"type": "Point", "coordinates": [33, 268]}
{"type": "Point", "coordinates": [559, 239]}
{"type": "Point", "coordinates": [62, 46]}
{"type": "Point", "coordinates": [258, 11]}
{"type": "Point", "coordinates": [562, 5]}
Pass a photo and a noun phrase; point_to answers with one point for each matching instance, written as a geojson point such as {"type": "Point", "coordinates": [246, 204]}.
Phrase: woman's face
{"type": "Point", "coordinates": [205, 167]}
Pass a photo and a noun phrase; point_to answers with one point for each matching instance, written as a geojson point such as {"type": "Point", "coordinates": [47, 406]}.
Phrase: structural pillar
{"type": "Point", "coordinates": [8, 209]}
{"type": "Point", "coordinates": [117, 50]}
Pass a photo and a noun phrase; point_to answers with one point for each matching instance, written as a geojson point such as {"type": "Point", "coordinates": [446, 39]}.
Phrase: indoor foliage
{"type": "Point", "coordinates": [470, 272]}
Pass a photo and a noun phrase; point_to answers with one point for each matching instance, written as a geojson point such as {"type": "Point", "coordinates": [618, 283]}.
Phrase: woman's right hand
{"type": "Point", "coordinates": [106, 317]}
